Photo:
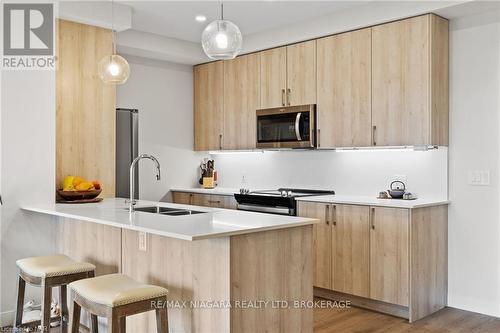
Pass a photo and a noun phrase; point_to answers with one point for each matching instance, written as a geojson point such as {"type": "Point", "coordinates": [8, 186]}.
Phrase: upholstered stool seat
{"type": "Point", "coordinates": [48, 272]}
{"type": "Point", "coordinates": [116, 296]}
{"type": "Point", "coordinates": [48, 266]}
{"type": "Point", "coordinates": [115, 290]}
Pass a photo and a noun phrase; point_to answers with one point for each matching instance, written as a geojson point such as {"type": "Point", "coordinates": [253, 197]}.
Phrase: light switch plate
{"type": "Point", "coordinates": [143, 241]}
{"type": "Point", "coordinates": [479, 177]}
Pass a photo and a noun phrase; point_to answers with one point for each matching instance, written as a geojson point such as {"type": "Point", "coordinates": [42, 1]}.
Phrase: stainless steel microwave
{"type": "Point", "coordinates": [287, 127]}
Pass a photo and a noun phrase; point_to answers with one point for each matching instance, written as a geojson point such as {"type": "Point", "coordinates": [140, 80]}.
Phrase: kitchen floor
{"type": "Point", "coordinates": [448, 320]}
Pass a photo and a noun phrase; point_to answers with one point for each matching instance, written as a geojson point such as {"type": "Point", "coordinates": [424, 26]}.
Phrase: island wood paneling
{"type": "Point", "coordinates": [191, 271]}
{"type": "Point", "coordinates": [91, 242]}
{"type": "Point", "coordinates": [272, 266]}
{"type": "Point", "coordinates": [85, 106]}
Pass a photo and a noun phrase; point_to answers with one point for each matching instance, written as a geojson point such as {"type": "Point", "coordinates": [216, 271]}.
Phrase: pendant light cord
{"type": "Point", "coordinates": [222, 10]}
{"type": "Point", "coordinates": [113, 26]}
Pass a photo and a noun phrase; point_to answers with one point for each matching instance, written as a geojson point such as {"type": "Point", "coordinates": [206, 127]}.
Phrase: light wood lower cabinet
{"type": "Point", "coordinates": [322, 240]}
{"type": "Point", "coordinates": [391, 260]}
{"type": "Point", "coordinates": [351, 249]}
{"type": "Point", "coordinates": [389, 255]}
{"type": "Point", "coordinates": [206, 200]}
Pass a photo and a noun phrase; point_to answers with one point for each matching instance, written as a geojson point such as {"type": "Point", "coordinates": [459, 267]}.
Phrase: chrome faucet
{"type": "Point", "coordinates": [132, 176]}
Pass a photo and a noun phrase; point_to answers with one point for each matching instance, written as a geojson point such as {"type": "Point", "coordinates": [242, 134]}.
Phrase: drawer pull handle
{"type": "Point", "coordinates": [334, 215]}
{"type": "Point", "coordinates": [372, 218]}
{"type": "Point", "coordinates": [327, 215]}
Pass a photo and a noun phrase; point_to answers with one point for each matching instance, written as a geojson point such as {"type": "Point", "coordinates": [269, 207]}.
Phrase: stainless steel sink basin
{"type": "Point", "coordinates": [167, 211]}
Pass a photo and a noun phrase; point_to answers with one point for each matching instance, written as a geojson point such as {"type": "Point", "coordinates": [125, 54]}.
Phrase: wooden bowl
{"type": "Point", "coordinates": [79, 195]}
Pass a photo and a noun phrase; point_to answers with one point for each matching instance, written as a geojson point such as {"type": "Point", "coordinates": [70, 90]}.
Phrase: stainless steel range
{"type": "Point", "coordinates": [281, 201]}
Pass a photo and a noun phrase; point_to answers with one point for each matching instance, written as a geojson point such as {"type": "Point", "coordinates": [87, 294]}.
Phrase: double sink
{"type": "Point", "coordinates": [167, 211]}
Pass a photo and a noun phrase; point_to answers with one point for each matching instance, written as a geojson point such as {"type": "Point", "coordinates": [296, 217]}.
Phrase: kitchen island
{"type": "Point", "coordinates": [226, 270]}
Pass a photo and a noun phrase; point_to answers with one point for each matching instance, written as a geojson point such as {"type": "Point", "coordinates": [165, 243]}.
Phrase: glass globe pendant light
{"type": "Point", "coordinates": [221, 39]}
{"type": "Point", "coordinates": [113, 69]}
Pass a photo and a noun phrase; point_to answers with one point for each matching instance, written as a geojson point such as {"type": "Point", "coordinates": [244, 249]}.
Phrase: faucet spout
{"type": "Point", "coordinates": [132, 176]}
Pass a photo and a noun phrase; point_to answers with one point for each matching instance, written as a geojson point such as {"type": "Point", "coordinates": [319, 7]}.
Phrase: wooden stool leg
{"type": "Point", "coordinates": [75, 317]}
{"type": "Point", "coordinates": [162, 320]}
{"type": "Point", "coordinates": [123, 324]}
{"type": "Point", "coordinates": [21, 286]}
{"type": "Point", "coordinates": [46, 300]}
{"type": "Point", "coordinates": [94, 325]}
{"type": "Point", "coordinates": [113, 324]}
{"type": "Point", "coordinates": [63, 298]}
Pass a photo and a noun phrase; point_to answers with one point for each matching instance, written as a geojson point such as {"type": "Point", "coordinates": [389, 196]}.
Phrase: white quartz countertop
{"type": "Point", "coordinates": [214, 223]}
{"type": "Point", "coordinates": [337, 198]}
{"type": "Point", "coordinates": [373, 201]}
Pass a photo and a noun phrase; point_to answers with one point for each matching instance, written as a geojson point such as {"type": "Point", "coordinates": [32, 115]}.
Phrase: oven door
{"type": "Point", "coordinates": [287, 127]}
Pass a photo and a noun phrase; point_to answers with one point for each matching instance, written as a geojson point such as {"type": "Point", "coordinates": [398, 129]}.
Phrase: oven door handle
{"type": "Point", "coordinates": [297, 126]}
{"type": "Point", "coordinates": [264, 209]}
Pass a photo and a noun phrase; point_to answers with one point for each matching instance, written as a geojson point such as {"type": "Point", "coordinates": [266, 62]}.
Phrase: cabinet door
{"type": "Point", "coordinates": [208, 105]}
{"type": "Point", "coordinates": [183, 198]}
{"type": "Point", "coordinates": [222, 201]}
{"type": "Point", "coordinates": [400, 69]}
{"type": "Point", "coordinates": [351, 249]}
{"type": "Point", "coordinates": [344, 90]}
{"type": "Point", "coordinates": [301, 73]}
{"type": "Point", "coordinates": [241, 100]}
{"type": "Point", "coordinates": [273, 78]}
{"type": "Point", "coordinates": [322, 241]}
{"type": "Point", "coordinates": [201, 200]}
{"type": "Point", "coordinates": [389, 255]}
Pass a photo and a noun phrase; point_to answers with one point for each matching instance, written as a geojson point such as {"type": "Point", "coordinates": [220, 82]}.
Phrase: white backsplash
{"type": "Point", "coordinates": [347, 172]}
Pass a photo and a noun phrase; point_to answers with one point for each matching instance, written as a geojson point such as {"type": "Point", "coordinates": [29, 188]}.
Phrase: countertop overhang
{"type": "Point", "coordinates": [214, 223]}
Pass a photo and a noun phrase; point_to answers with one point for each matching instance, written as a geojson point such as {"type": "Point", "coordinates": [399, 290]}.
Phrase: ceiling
{"type": "Point", "coordinates": [176, 18]}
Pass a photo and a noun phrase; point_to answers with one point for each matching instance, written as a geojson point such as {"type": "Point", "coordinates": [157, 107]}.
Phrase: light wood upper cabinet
{"type": "Point", "coordinates": [322, 241]}
{"type": "Point", "coordinates": [351, 249]}
{"type": "Point", "coordinates": [389, 255]}
{"type": "Point", "coordinates": [273, 78]}
{"type": "Point", "coordinates": [241, 100]}
{"type": "Point", "coordinates": [301, 73]}
{"type": "Point", "coordinates": [410, 82]}
{"type": "Point", "coordinates": [288, 75]}
{"type": "Point", "coordinates": [208, 105]}
{"type": "Point", "coordinates": [344, 90]}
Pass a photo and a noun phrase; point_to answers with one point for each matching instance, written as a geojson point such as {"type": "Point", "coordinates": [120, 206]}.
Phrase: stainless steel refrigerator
{"type": "Point", "coordinates": [127, 149]}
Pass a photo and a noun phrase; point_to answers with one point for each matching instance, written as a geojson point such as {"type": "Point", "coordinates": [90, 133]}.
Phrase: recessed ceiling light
{"type": "Point", "coordinates": [200, 18]}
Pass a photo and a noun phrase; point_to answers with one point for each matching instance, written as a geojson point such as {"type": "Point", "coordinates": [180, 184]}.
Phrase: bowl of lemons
{"type": "Point", "coordinates": [77, 188]}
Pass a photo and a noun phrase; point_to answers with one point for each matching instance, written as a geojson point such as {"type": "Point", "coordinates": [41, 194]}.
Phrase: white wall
{"type": "Point", "coordinates": [474, 227]}
{"type": "Point", "coordinates": [28, 174]}
{"type": "Point", "coordinates": [163, 94]}
{"type": "Point", "coordinates": [346, 172]}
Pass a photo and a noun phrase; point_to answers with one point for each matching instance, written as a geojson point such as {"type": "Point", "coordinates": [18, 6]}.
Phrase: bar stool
{"type": "Point", "coordinates": [116, 296]}
{"type": "Point", "coordinates": [48, 272]}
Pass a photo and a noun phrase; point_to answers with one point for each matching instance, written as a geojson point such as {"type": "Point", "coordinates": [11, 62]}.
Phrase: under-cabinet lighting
{"type": "Point", "coordinates": [342, 149]}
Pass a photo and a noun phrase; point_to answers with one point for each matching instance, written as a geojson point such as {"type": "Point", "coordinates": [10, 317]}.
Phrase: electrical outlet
{"type": "Point", "coordinates": [479, 177]}
{"type": "Point", "coordinates": [143, 241]}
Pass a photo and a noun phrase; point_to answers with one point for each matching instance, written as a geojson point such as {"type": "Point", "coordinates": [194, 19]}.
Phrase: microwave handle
{"type": "Point", "coordinates": [297, 126]}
